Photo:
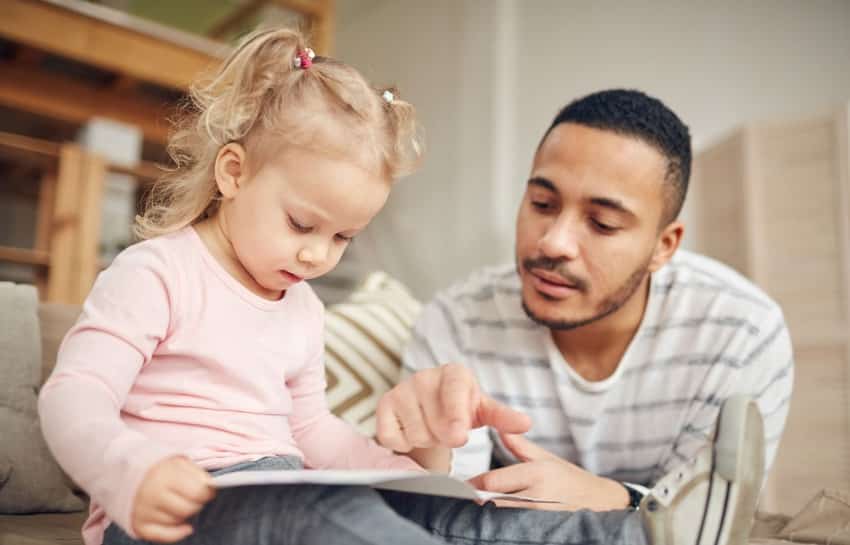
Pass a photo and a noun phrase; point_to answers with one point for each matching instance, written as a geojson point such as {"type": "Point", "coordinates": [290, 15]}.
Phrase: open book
{"type": "Point", "coordinates": [404, 481]}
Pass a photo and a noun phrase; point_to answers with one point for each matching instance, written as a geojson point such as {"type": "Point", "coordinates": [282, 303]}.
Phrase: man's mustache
{"type": "Point", "coordinates": [557, 266]}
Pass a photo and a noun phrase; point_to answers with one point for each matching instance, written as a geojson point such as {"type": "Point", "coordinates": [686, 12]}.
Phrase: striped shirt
{"type": "Point", "coordinates": [707, 333]}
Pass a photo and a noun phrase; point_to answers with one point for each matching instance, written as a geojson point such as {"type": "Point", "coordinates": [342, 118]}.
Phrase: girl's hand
{"type": "Point", "coordinates": [171, 492]}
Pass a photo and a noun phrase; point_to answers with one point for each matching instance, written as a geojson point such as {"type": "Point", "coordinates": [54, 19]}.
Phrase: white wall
{"type": "Point", "coordinates": [717, 64]}
{"type": "Point", "coordinates": [437, 225]}
{"type": "Point", "coordinates": [488, 76]}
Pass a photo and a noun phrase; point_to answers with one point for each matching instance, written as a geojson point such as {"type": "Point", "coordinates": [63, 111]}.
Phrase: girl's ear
{"type": "Point", "coordinates": [230, 169]}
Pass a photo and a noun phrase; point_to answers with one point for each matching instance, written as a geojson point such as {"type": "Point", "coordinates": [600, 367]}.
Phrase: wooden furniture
{"type": "Point", "coordinates": [65, 254]}
{"type": "Point", "coordinates": [137, 68]}
{"type": "Point", "coordinates": [67, 61]}
{"type": "Point", "coordinates": [773, 201]}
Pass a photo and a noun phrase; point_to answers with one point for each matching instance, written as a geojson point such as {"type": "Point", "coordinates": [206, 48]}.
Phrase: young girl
{"type": "Point", "coordinates": [199, 350]}
{"type": "Point", "coordinates": [201, 347]}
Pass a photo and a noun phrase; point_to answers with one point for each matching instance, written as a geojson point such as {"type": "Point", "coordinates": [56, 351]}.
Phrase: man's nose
{"type": "Point", "coordinates": [561, 240]}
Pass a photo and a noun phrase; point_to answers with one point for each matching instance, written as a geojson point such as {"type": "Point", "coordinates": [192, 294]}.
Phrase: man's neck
{"type": "Point", "coordinates": [594, 351]}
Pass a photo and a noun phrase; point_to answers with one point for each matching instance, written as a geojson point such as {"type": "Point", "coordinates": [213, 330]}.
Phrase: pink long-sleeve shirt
{"type": "Point", "coordinates": [173, 356]}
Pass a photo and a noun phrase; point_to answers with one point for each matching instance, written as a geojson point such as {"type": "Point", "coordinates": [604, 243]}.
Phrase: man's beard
{"type": "Point", "coordinates": [608, 306]}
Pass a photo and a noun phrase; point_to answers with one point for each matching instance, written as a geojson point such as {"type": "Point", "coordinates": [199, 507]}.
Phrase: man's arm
{"type": "Point", "coordinates": [766, 374]}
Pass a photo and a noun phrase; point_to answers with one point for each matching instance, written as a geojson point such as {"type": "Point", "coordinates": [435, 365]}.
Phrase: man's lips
{"type": "Point", "coordinates": [551, 278]}
{"type": "Point", "coordinates": [552, 285]}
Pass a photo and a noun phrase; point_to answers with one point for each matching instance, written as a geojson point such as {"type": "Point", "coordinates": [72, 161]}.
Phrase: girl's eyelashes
{"type": "Point", "coordinates": [298, 227]}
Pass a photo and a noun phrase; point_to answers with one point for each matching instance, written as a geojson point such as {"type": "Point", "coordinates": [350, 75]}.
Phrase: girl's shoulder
{"type": "Point", "coordinates": [158, 262]}
{"type": "Point", "coordinates": [163, 250]}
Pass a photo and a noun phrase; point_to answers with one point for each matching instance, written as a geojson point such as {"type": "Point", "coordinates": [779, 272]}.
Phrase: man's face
{"type": "Point", "coordinates": [588, 226]}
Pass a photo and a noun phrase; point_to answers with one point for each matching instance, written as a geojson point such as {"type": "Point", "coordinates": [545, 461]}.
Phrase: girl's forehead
{"type": "Point", "coordinates": [328, 188]}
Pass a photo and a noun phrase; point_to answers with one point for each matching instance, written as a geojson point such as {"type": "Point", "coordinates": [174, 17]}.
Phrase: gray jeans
{"type": "Point", "coordinates": [357, 515]}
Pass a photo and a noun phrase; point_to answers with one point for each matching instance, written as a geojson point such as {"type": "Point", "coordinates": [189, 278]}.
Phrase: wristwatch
{"type": "Point", "coordinates": [635, 496]}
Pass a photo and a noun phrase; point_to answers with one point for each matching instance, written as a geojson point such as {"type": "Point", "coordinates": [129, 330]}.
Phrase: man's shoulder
{"type": "Point", "coordinates": [692, 279]}
{"type": "Point", "coordinates": [492, 292]}
{"type": "Point", "coordinates": [484, 284]}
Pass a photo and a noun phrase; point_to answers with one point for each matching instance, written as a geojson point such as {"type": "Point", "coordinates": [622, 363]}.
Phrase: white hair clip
{"type": "Point", "coordinates": [304, 59]}
{"type": "Point", "coordinates": [388, 96]}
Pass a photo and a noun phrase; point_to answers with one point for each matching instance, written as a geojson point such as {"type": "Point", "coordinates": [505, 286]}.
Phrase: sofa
{"type": "Point", "coordinates": [365, 335]}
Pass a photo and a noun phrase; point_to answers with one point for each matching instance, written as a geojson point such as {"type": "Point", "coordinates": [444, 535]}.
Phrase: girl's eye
{"type": "Point", "coordinates": [343, 238]}
{"type": "Point", "coordinates": [297, 226]}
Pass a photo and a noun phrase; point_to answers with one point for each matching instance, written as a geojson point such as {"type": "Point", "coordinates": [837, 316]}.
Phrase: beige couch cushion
{"type": "Point", "coordinates": [34, 483]}
{"type": "Point", "coordinates": [364, 339]}
{"type": "Point", "coordinates": [825, 519]}
{"type": "Point", "coordinates": [43, 529]}
{"type": "Point", "coordinates": [55, 319]}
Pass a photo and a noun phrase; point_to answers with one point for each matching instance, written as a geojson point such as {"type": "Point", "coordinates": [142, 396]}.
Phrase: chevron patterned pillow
{"type": "Point", "coordinates": [364, 340]}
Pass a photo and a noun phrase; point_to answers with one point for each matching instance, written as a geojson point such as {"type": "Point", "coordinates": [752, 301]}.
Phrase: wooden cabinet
{"type": "Point", "coordinates": [773, 201]}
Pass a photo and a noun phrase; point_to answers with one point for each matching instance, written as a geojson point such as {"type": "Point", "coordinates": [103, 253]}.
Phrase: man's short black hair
{"type": "Point", "coordinates": [633, 113]}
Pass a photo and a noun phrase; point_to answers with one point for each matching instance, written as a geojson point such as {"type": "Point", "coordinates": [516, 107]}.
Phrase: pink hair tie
{"type": "Point", "coordinates": [304, 59]}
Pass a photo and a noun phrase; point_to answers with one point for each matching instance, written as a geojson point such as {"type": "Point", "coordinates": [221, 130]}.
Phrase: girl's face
{"type": "Point", "coordinates": [292, 218]}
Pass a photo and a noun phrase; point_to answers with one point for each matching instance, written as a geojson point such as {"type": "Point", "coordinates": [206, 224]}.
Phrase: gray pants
{"type": "Point", "coordinates": [356, 515]}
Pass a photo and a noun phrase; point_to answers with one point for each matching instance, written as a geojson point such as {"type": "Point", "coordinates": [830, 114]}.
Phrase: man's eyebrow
{"type": "Point", "coordinates": [613, 204]}
{"type": "Point", "coordinates": [542, 182]}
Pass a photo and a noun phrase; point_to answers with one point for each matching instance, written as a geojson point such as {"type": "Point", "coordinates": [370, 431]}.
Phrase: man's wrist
{"type": "Point", "coordinates": [610, 495]}
{"type": "Point", "coordinates": [635, 495]}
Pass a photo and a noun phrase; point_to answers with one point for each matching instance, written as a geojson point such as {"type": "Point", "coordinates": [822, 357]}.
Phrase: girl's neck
{"type": "Point", "coordinates": [213, 233]}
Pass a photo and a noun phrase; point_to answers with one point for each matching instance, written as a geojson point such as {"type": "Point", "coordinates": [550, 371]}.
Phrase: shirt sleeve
{"type": "Point", "coordinates": [437, 340]}
{"type": "Point", "coordinates": [765, 372]}
{"type": "Point", "coordinates": [326, 440]}
{"type": "Point", "coordinates": [124, 319]}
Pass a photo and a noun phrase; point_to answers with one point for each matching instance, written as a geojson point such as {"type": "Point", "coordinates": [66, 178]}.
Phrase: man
{"type": "Point", "coordinates": [620, 349]}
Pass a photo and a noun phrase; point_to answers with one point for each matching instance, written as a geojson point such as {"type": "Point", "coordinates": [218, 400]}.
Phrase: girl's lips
{"type": "Point", "coordinates": [291, 277]}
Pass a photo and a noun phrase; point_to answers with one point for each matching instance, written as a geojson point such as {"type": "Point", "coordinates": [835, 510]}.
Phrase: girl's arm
{"type": "Point", "coordinates": [123, 320]}
{"type": "Point", "coordinates": [326, 440]}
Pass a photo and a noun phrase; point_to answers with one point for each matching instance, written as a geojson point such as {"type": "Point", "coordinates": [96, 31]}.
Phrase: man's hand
{"type": "Point", "coordinates": [438, 407]}
{"type": "Point", "coordinates": [540, 474]}
{"type": "Point", "coordinates": [172, 491]}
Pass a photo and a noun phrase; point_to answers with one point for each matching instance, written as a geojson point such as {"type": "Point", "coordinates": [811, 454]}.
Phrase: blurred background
{"type": "Point", "coordinates": [86, 89]}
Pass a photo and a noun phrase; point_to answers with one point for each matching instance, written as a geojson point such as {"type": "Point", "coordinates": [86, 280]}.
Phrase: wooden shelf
{"type": "Point", "coordinates": [145, 172]}
{"type": "Point", "coordinates": [44, 153]}
{"type": "Point", "coordinates": [24, 256]}
{"type": "Point", "coordinates": [28, 150]}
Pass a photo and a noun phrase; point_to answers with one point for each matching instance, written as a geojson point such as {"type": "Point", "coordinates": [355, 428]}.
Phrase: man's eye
{"type": "Point", "coordinates": [298, 226]}
{"type": "Point", "coordinates": [540, 205]}
{"type": "Point", "coordinates": [604, 227]}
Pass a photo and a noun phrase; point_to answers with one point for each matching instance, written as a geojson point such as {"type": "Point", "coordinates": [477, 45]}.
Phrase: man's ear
{"type": "Point", "coordinates": [667, 244]}
{"type": "Point", "coordinates": [230, 172]}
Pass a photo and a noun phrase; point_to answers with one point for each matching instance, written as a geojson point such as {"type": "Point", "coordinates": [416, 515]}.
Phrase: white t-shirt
{"type": "Point", "coordinates": [707, 333]}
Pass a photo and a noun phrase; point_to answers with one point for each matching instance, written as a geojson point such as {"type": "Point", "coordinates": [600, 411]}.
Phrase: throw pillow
{"type": "Point", "coordinates": [364, 340]}
{"type": "Point", "coordinates": [34, 484]}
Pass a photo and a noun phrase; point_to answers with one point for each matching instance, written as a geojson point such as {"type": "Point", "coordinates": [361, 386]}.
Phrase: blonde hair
{"type": "Point", "coordinates": [258, 98]}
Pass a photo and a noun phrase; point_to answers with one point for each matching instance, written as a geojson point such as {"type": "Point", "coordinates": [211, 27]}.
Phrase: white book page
{"type": "Point", "coordinates": [404, 481]}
